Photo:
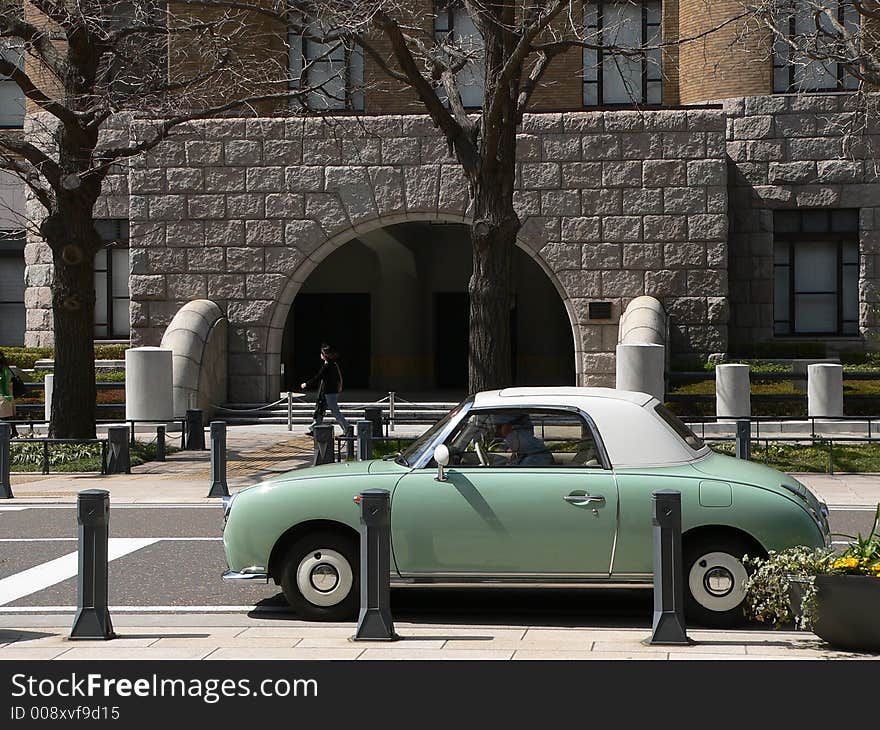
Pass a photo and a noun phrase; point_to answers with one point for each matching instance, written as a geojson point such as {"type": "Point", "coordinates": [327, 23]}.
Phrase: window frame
{"type": "Point", "coordinates": [298, 43]}
{"type": "Point", "coordinates": [646, 62]}
{"type": "Point", "coordinates": [843, 80]}
{"type": "Point", "coordinates": [12, 244]}
{"type": "Point", "coordinates": [601, 452]}
{"type": "Point", "coordinates": [120, 242]}
{"type": "Point", "coordinates": [16, 92]}
{"type": "Point", "coordinates": [835, 238]}
{"type": "Point", "coordinates": [446, 8]}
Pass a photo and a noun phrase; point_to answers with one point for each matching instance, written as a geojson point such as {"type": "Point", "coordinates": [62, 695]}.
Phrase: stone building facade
{"type": "Point", "coordinates": [719, 202]}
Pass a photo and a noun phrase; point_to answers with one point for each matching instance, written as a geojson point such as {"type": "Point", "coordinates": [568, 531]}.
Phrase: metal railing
{"type": "Point", "coordinates": [46, 442]}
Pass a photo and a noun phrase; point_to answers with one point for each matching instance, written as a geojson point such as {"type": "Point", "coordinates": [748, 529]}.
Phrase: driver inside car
{"type": "Point", "coordinates": [525, 448]}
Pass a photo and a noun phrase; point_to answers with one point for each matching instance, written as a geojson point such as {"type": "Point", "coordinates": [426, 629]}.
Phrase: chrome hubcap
{"type": "Point", "coordinates": [324, 577]}
{"type": "Point", "coordinates": [718, 581]}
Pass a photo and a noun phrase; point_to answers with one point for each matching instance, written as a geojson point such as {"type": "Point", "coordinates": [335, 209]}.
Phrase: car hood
{"type": "Point", "coordinates": [339, 469]}
{"type": "Point", "coordinates": [720, 466]}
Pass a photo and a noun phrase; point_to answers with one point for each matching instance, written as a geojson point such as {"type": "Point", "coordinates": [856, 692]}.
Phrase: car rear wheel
{"type": "Point", "coordinates": [320, 577]}
{"type": "Point", "coordinates": [715, 578]}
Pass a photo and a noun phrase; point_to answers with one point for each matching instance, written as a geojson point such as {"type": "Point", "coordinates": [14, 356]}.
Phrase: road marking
{"type": "Point", "coordinates": [72, 505]}
{"type": "Point", "coordinates": [152, 609]}
{"type": "Point", "coordinates": [11, 509]}
{"type": "Point", "coordinates": [55, 571]}
{"type": "Point", "coordinates": [74, 539]}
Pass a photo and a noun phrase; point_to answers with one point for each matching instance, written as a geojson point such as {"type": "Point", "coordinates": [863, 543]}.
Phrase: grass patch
{"type": "Point", "coordinates": [812, 458]}
{"type": "Point", "coordinates": [28, 457]}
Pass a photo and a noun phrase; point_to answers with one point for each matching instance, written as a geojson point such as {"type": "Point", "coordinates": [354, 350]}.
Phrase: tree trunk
{"type": "Point", "coordinates": [490, 292]}
{"type": "Point", "coordinates": [73, 307]}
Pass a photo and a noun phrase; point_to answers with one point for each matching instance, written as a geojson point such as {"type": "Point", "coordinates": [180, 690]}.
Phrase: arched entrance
{"type": "Point", "coordinates": [394, 302]}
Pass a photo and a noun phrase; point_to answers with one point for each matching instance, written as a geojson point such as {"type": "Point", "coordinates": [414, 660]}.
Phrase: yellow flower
{"type": "Point", "coordinates": [845, 563]}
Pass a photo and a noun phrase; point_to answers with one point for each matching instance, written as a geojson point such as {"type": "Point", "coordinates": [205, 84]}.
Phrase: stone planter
{"type": "Point", "coordinates": [848, 611]}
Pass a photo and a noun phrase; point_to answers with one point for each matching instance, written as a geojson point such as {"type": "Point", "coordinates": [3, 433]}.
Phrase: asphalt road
{"type": "Point", "coordinates": [171, 558]}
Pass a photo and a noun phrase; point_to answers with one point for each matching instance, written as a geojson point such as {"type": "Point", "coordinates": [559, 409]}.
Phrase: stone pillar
{"type": "Point", "coordinates": [825, 390]}
{"type": "Point", "coordinates": [732, 391]}
{"type": "Point", "coordinates": [149, 394]}
{"type": "Point", "coordinates": [48, 389]}
{"type": "Point", "coordinates": [641, 367]}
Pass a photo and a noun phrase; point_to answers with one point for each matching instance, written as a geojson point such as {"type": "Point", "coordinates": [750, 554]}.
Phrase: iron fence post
{"type": "Point", "coordinates": [219, 486]}
{"type": "Point", "coordinates": [668, 626]}
{"type": "Point", "coordinates": [5, 461]}
{"type": "Point", "coordinates": [195, 430]}
{"type": "Point", "coordinates": [743, 439]}
{"type": "Point", "coordinates": [374, 415]}
{"type": "Point", "coordinates": [120, 460]}
{"type": "Point", "coordinates": [375, 622]}
{"type": "Point", "coordinates": [160, 443]}
{"type": "Point", "coordinates": [365, 435]}
{"type": "Point", "coordinates": [324, 445]}
{"type": "Point", "coordinates": [349, 443]}
{"type": "Point", "coordinates": [46, 456]}
{"type": "Point", "coordinates": [92, 619]}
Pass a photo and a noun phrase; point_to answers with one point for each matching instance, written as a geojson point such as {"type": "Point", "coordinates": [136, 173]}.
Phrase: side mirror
{"type": "Point", "coordinates": [441, 456]}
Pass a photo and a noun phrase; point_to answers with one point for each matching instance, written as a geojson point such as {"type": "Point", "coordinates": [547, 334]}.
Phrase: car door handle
{"type": "Point", "coordinates": [582, 499]}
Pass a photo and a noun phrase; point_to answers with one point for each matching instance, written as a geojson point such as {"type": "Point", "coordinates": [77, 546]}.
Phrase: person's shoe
{"type": "Point", "coordinates": [310, 433]}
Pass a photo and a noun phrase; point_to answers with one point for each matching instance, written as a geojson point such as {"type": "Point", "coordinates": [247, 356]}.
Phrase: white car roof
{"type": "Point", "coordinates": [634, 434]}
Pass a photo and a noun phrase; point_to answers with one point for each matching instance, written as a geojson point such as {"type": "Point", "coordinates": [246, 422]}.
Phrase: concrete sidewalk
{"type": "Point", "coordinates": [234, 636]}
{"type": "Point", "coordinates": [261, 452]}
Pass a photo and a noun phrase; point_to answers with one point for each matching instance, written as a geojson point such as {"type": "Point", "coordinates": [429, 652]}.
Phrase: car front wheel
{"type": "Point", "coordinates": [715, 579]}
{"type": "Point", "coordinates": [320, 578]}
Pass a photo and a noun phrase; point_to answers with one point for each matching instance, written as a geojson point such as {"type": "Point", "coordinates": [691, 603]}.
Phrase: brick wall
{"type": "Point", "coordinates": [724, 63]}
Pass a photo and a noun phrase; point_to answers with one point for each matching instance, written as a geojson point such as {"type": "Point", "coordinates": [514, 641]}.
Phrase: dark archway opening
{"type": "Point", "coordinates": [394, 303]}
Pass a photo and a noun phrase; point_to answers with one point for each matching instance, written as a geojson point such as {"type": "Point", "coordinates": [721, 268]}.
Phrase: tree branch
{"type": "Point", "coordinates": [13, 142]}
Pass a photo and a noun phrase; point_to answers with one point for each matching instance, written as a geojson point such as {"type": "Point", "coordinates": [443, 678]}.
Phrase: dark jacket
{"type": "Point", "coordinates": [329, 376]}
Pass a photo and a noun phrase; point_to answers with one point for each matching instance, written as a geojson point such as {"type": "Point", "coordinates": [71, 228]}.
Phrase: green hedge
{"type": "Point", "coordinates": [26, 357]}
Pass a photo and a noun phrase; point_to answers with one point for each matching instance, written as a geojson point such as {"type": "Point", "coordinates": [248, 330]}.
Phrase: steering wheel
{"type": "Point", "coordinates": [481, 454]}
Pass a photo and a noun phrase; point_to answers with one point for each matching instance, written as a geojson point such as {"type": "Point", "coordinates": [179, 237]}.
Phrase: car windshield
{"type": "Point", "coordinates": [411, 455]}
{"type": "Point", "coordinates": [681, 428]}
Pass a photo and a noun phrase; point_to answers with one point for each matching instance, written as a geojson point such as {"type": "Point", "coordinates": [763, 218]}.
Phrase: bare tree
{"type": "Point", "coordinates": [81, 63]}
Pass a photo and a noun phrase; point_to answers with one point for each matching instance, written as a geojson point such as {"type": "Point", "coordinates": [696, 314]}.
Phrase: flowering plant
{"type": "Point", "coordinates": [781, 587]}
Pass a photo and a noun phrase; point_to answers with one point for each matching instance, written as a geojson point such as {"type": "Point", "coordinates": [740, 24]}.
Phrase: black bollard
{"type": "Point", "coordinates": [668, 625]}
{"type": "Point", "coordinates": [219, 487]}
{"type": "Point", "coordinates": [365, 440]}
{"type": "Point", "coordinates": [325, 452]}
{"type": "Point", "coordinates": [5, 461]}
{"type": "Point", "coordinates": [374, 620]}
{"type": "Point", "coordinates": [92, 619]}
{"type": "Point", "coordinates": [744, 439]}
{"type": "Point", "coordinates": [373, 414]}
{"type": "Point", "coordinates": [160, 443]}
{"type": "Point", "coordinates": [119, 461]}
{"type": "Point", "coordinates": [349, 443]}
{"type": "Point", "coordinates": [195, 430]}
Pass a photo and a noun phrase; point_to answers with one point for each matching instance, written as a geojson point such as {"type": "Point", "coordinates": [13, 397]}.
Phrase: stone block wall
{"type": "Point", "coordinates": [614, 205]}
{"type": "Point", "coordinates": [790, 152]}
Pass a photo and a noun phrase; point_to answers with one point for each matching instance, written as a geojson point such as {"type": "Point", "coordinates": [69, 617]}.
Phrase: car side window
{"type": "Point", "coordinates": [523, 437]}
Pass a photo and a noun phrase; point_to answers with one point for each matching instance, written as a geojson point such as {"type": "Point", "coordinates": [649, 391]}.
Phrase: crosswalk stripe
{"type": "Point", "coordinates": [55, 571]}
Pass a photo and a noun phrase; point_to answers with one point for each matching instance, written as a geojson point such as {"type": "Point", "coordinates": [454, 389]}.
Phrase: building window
{"type": "Point", "coordinates": [319, 60]}
{"type": "Point", "coordinates": [612, 78]}
{"type": "Point", "coordinates": [111, 281]}
{"type": "Point", "coordinates": [11, 96]}
{"type": "Point", "coordinates": [12, 310]}
{"type": "Point", "coordinates": [816, 272]}
{"type": "Point", "coordinates": [454, 29]}
{"type": "Point", "coordinates": [798, 63]}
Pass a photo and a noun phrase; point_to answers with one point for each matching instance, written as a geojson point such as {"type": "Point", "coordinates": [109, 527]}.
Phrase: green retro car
{"type": "Point", "coordinates": [533, 486]}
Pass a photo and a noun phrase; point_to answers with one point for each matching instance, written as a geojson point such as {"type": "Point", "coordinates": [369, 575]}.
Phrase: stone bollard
{"type": "Point", "coordinates": [195, 430]}
{"type": "Point", "coordinates": [92, 619]}
{"type": "Point", "coordinates": [324, 449]}
{"type": "Point", "coordinates": [825, 390]}
{"type": "Point", "coordinates": [374, 620]}
{"type": "Point", "coordinates": [219, 486]}
{"type": "Point", "coordinates": [119, 461]}
{"type": "Point", "coordinates": [732, 391]}
{"type": "Point", "coordinates": [373, 414]}
{"type": "Point", "coordinates": [160, 443]}
{"type": "Point", "coordinates": [642, 367]}
{"type": "Point", "coordinates": [744, 439]}
{"type": "Point", "coordinates": [48, 391]}
{"type": "Point", "coordinates": [5, 461]}
{"type": "Point", "coordinates": [365, 440]}
{"type": "Point", "coordinates": [149, 390]}
{"type": "Point", "coordinates": [668, 626]}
